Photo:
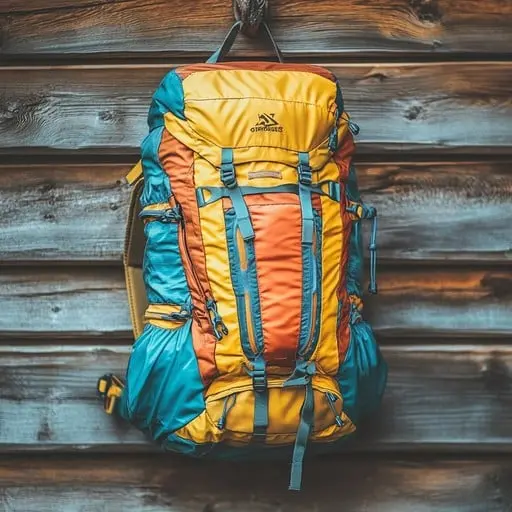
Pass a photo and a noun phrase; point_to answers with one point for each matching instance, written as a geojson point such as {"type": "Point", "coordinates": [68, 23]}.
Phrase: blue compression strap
{"type": "Point", "coordinates": [299, 450]}
{"type": "Point", "coordinates": [208, 195]}
{"type": "Point", "coordinates": [242, 213]}
{"type": "Point", "coordinates": [301, 376]}
{"type": "Point", "coordinates": [306, 205]}
{"type": "Point", "coordinates": [228, 178]}
{"type": "Point", "coordinates": [259, 379]}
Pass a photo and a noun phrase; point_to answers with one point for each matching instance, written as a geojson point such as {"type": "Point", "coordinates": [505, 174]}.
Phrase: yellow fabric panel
{"type": "Point", "coordinates": [153, 316]}
{"type": "Point", "coordinates": [201, 430]}
{"type": "Point", "coordinates": [330, 172]}
{"type": "Point", "coordinates": [229, 355]}
{"type": "Point", "coordinates": [155, 206]}
{"type": "Point", "coordinates": [326, 354]}
{"type": "Point", "coordinates": [253, 174]}
{"type": "Point", "coordinates": [186, 134]}
{"type": "Point", "coordinates": [284, 412]}
{"type": "Point", "coordinates": [226, 108]}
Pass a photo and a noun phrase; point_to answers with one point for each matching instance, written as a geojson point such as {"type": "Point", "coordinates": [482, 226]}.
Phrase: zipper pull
{"type": "Point", "coordinates": [227, 407]}
{"type": "Point", "coordinates": [354, 128]}
{"type": "Point", "coordinates": [331, 399]}
{"type": "Point", "coordinates": [165, 216]}
{"type": "Point", "coordinates": [219, 327]}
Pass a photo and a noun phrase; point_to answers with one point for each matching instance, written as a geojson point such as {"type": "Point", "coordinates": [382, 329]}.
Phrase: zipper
{"type": "Point", "coordinates": [310, 345]}
{"type": "Point", "coordinates": [331, 400]}
{"type": "Point", "coordinates": [242, 257]}
{"type": "Point", "coordinates": [219, 327]}
{"type": "Point", "coordinates": [165, 215]}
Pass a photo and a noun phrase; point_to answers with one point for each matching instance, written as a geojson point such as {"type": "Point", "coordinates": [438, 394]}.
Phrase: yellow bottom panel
{"type": "Point", "coordinates": [229, 413]}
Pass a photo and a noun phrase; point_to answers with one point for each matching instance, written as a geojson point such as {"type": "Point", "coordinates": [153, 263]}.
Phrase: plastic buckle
{"type": "Point", "coordinates": [228, 175]}
{"type": "Point", "coordinates": [259, 379]}
{"type": "Point", "coordinates": [110, 388]}
{"type": "Point", "coordinates": [305, 174]}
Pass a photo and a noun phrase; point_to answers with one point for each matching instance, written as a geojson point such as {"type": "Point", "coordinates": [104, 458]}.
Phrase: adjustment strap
{"type": "Point", "coordinates": [259, 379]}
{"type": "Point", "coordinates": [228, 178]}
{"type": "Point", "coordinates": [330, 189]}
{"type": "Point", "coordinates": [306, 204]}
{"type": "Point", "coordinates": [304, 371]}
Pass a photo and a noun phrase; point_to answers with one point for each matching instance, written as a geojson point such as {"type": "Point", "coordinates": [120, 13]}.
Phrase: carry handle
{"type": "Point", "coordinates": [226, 45]}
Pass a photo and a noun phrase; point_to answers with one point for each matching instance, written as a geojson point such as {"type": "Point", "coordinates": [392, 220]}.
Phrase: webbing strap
{"type": "Point", "coordinates": [306, 203]}
{"type": "Point", "coordinates": [228, 178]}
{"type": "Point", "coordinates": [304, 371]}
{"type": "Point", "coordinates": [208, 195]}
{"type": "Point", "coordinates": [299, 450]}
{"type": "Point", "coordinates": [259, 378]}
{"type": "Point", "coordinates": [242, 213]}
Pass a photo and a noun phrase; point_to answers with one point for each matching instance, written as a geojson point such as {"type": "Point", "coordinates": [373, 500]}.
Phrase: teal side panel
{"type": "Point", "coordinates": [362, 376]}
{"type": "Point", "coordinates": [157, 188]}
{"type": "Point", "coordinates": [169, 97]}
{"type": "Point", "coordinates": [163, 389]}
{"type": "Point", "coordinates": [162, 268]}
{"type": "Point", "coordinates": [163, 271]}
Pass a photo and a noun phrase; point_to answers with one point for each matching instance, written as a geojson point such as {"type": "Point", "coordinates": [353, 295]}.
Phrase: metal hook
{"type": "Point", "coordinates": [252, 13]}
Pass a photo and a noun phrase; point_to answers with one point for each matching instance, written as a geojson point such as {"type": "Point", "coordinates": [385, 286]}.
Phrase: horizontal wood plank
{"type": "Point", "coordinates": [450, 107]}
{"type": "Point", "coordinates": [327, 27]}
{"type": "Point", "coordinates": [435, 212]}
{"type": "Point", "coordinates": [442, 398]}
{"type": "Point", "coordinates": [164, 484]}
{"type": "Point", "coordinates": [59, 302]}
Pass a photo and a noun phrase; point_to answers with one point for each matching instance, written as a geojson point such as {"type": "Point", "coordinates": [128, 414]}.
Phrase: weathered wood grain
{"type": "Point", "coordinates": [159, 484]}
{"type": "Point", "coordinates": [72, 302]}
{"type": "Point", "coordinates": [178, 27]}
{"type": "Point", "coordinates": [450, 107]}
{"type": "Point", "coordinates": [427, 212]}
{"type": "Point", "coordinates": [443, 398]}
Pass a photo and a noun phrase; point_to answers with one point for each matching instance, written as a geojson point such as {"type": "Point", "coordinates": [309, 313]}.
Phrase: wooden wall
{"type": "Point", "coordinates": [429, 82]}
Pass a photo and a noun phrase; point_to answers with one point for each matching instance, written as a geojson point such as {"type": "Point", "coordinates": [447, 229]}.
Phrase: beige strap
{"type": "Point", "coordinates": [133, 257]}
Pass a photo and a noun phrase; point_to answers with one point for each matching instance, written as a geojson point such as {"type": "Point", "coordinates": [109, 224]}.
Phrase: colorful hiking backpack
{"type": "Point", "coordinates": [243, 265]}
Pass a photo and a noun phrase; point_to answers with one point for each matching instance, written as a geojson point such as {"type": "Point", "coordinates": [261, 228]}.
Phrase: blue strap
{"type": "Point", "coordinates": [215, 193]}
{"type": "Point", "coordinates": [242, 213]}
{"type": "Point", "coordinates": [372, 288]}
{"type": "Point", "coordinates": [301, 376]}
{"type": "Point", "coordinates": [259, 380]}
{"type": "Point", "coordinates": [228, 178]}
{"type": "Point", "coordinates": [306, 204]}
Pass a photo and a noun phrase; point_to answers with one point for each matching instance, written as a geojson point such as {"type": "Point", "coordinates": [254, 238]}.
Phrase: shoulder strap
{"type": "Point", "coordinates": [133, 257]}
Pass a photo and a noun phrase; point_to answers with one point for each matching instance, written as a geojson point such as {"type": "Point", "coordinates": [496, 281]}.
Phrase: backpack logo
{"type": "Point", "coordinates": [267, 123]}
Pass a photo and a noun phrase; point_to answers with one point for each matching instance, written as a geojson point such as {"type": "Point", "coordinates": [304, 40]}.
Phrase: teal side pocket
{"type": "Point", "coordinates": [163, 389]}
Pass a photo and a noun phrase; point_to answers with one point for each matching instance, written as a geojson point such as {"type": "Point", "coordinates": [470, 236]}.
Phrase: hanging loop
{"type": "Point", "coordinates": [251, 14]}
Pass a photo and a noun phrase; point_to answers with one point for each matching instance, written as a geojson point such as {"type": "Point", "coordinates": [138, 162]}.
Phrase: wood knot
{"type": "Point", "coordinates": [106, 116]}
{"type": "Point", "coordinates": [427, 11]}
{"type": "Point", "coordinates": [414, 112]}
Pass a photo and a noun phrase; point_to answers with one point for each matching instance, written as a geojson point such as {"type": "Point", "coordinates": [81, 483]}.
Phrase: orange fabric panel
{"type": "Point", "coordinates": [344, 154]}
{"type": "Point", "coordinates": [185, 71]}
{"type": "Point", "coordinates": [177, 161]}
{"type": "Point", "coordinates": [278, 232]}
{"type": "Point", "coordinates": [343, 158]}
